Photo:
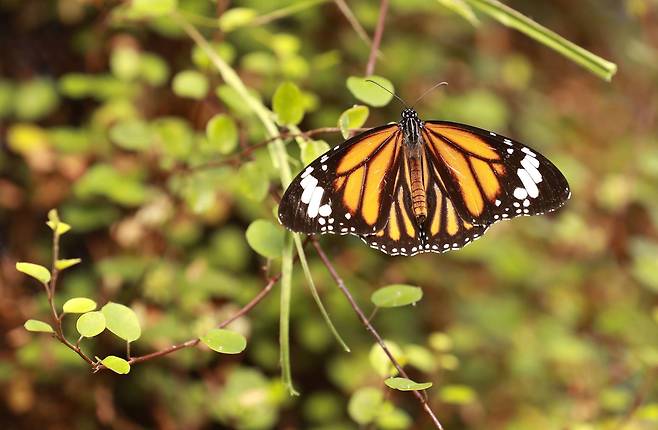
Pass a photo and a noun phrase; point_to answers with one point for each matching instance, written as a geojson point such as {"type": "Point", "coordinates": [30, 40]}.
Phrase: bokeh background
{"type": "Point", "coordinates": [546, 323]}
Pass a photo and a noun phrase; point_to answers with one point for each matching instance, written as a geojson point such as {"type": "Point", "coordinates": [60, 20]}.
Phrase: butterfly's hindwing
{"type": "Point", "coordinates": [347, 190]}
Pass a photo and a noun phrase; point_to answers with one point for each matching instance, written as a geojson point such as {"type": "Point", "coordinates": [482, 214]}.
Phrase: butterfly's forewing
{"type": "Point", "coordinates": [349, 189]}
{"type": "Point", "coordinates": [490, 177]}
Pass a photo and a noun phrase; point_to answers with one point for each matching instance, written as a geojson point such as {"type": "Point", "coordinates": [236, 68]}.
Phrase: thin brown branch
{"type": "Point", "coordinates": [422, 397]}
{"type": "Point", "coordinates": [351, 18]}
{"type": "Point", "coordinates": [237, 158]}
{"type": "Point", "coordinates": [377, 40]}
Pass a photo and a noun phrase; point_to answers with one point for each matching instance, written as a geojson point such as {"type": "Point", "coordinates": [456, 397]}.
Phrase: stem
{"type": "Point", "coordinates": [511, 18]}
{"type": "Point", "coordinates": [351, 18]}
{"type": "Point", "coordinates": [422, 398]}
{"type": "Point", "coordinates": [284, 11]}
{"type": "Point", "coordinates": [379, 31]}
{"type": "Point", "coordinates": [284, 316]}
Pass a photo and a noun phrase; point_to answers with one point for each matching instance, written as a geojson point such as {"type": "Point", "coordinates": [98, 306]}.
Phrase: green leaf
{"type": "Point", "coordinates": [404, 384]}
{"type": "Point", "coordinates": [222, 133]}
{"type": "Point", "coordinates": [253, 181]}
{"type": "Point", "coordinates": [153, 69]}
{"type": "Point", "coordinates": [116, 364]}
{"type": "Point", "coordinates": [38, 326]}
{"type": "Point", "coordinates": [190, 83]}
{"type": "Point", "coordinates": [36, 271]}
{"type": "Point", "coordinates": [396, 295]}
{"type": "Point", "coordinates": [370, 93]}
{"type": "Point", "coordinates": [224, 341]}
{"type": "Point", "coordinates": [132, 134]}
{"type": "Point", "coordinates": [365, 404]}
{"type": "Point", "coordinates": [462, 9]}
{"type": "Point", "coordinates": [235, 18]}
{"type": "Point", "coordinates": [79, 305]}
{"type": "Point", "coordinates": [392, 418]}
{"type": "Point", "coordinates": [122, 321]}
{"type": "Point", "coordinates": [457, 394]}
{"type": "Point", "coordinates": [55, 224]}
{"type": "Point", "coordinates": [313, 150]}
{"type": "Point", "coordinates": [153, 8]}
{"type": "Point", "coordinates": [265, 238]}
{"type": "Point", "coordinates": [90, 324]}
{"type": "Point", "coordinates": [288, 104]}
{"type": "Point", "coordinates": [35, 99]}
{"type": "Point", "coordinates": [66, 263]}
{"type": "Point", "coordinates": [511, 18]}
{"type": "Point", "coordinates": [380, 361]}
{"type": "Point", "coordinates": [353, 117]}
{"type": "Point", "coordinates": [125, 63]}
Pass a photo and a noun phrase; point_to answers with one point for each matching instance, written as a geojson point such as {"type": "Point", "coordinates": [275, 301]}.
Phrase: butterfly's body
{"type": "Point", "coordinates": [416, 186]}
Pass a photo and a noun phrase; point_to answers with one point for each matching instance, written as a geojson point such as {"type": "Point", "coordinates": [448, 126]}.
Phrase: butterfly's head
{"type": "Point", "coordinates": [409, 113]}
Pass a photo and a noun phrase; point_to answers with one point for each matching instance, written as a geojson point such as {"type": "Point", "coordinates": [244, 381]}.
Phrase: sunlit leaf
{"type": "Point", "coordinates": [235, 18]}
{"type": "Point", "coordinates": [153, 69]}
{"type": "Point", "coordinates": [353, 117]}
{"type": "Point", "coordinates": [190, 83]}
{"type": "Point", "coordinates": [265, 238]}
{"type": "Point", "coordinates": [38, 326]}
{"type": "Point", "coordinates": [457, 394]}
{"type": "Point", "coordinates": [462, 9]}
{"type": "Point", "coordinates": [90, 324]}
{"type": "Point", "coordinates": [222, 133]}
{"type": "Point", "coordinates": [381, 363]}
{"type": "Point", "coordinates": [288, 104]}
{"type": "Point", "coordinates": [224, 341]}
{"type": "Point", "coordinates": [56, 224]}
{"type": "Point", "coordinates": [35, 99]}
{"type": "Point", "coordinates": [116, 364]}
{"type": "Point", "coordinates": [125, 62]}
{"type": "Point", "coordinates": [364, 405]}
{"type": "Point", "coordinates": [122, 321]}
{"type": "Point", "coordinates": [313, 149]}
{"type": "Point", "coordinates": [79, 305]}
{"type": "Point", "coordinates": [36, 271]}
{"type": "Point", "coordinates": [153, 8]}
{"type": "Point", "coordinates": [371, 93]}
{"type": "Point", "coordinates": [66, 263]}
{"type": "Point", "coordinates": [396, 295]}
{"type": "Point", "coordinates": [253, 181]}
{"type": "Point", "coordinates": [133, 134]}
{"type": "Point", "coordinates": [404, 384]}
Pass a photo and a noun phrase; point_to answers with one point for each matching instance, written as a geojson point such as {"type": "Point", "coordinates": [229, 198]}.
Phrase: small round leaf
{"type": "Point", "coordinates": [36, 271]}
{"type": "Point", "coordinates": [370, 93]}
{"type": "Point", "coordinates": [353, 117]}
{"type": "Point", "coordinates": [66, 263]}
{"type": "Point", "coordinates": [313, 150]}
{"type": "Point", "coordinates": [55, 224]}
{"type": "Point", "coordinates": [122, 321]}
{"type": "Point", "coordinates": [380, 361]}
{"type": "Point", "coordinates": [404, 384]}
{"type": "Point", "coordinates": [265, 238]}
{"type": "Point", "coordinates": [253, 181]}
{"type": "Point", "coordinates": [222, 133]}
{"type": "Point", "coordinates": [132, 134]}
{"type": "Point", "coordinates": [116, 364]}
{"type": "Point", "coordinates": [224, 341]}
{"type": "Point", "coordinates": [90, 324]}
{"type": "Point", "coordinates": [288, 104]}
{"type": "Point", "coordinates": [79, 305]}
{"type": "Point", "coordinates": [235, 18]}
{"type": "Point", "coordinates": [38, 326]}
{"type": "Point", "coordinates": [153, 8]}
{"type": "Point", "coordinates": [396, 295]}
{"type": "Point", "coordinates": [457, 394]}
{"type": "Point", "coordinates": [365, 404]}
{"type": "Point", "coordinates": [190, 83]}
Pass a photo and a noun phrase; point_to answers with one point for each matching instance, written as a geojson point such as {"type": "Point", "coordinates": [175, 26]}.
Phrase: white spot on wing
{"type": "Point", "coordinates": [531, 169]}
{"type": "Point", "coordinates": [314, 205]}
{"type": "Point", "coordinates": [520, 193]}
{"type": "Point", "coordinates": [325, 210]}
{"type": "Point", "coordinates": [528, 183]}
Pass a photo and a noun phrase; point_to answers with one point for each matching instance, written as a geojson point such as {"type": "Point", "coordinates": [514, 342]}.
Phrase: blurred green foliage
{"type": "Point", "coordinates": [111, 113]}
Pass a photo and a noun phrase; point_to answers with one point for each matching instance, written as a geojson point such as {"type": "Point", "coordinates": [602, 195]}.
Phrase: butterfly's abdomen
{"type": "Point", "coordinates": [418, 195]}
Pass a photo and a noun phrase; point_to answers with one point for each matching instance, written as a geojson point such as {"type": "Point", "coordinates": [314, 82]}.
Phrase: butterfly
{"type": "Point", "coordinates": [421, 186]}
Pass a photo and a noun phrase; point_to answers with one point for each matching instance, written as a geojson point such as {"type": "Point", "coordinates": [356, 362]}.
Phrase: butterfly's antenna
{"type": "Point", "coordinates": [429, 90]}
{"type": "Point", "coordinates": [388, 91]}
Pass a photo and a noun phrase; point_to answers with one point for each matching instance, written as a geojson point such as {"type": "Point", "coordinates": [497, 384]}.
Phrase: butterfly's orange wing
{"type": "Point", "coordinates": [349, 189]}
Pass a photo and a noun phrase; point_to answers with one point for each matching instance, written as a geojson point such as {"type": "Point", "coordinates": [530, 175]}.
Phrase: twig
{"type": "Point", "coordinates": [193, 342]}
{"type": "Point", "coordinates": [235, 159]}
{"type": "Point", "coordinates": [356, 25]}
{"type": "Point", "coordinates": [377, 40]}
{"type": "Point", "coordinates": [50, 291]}
{"type": "Point", "coordinates": [341, 285]}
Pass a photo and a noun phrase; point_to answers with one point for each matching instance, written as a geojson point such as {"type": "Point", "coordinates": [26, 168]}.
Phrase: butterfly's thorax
{"type": "Point", "coordinates": [411, 127]}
